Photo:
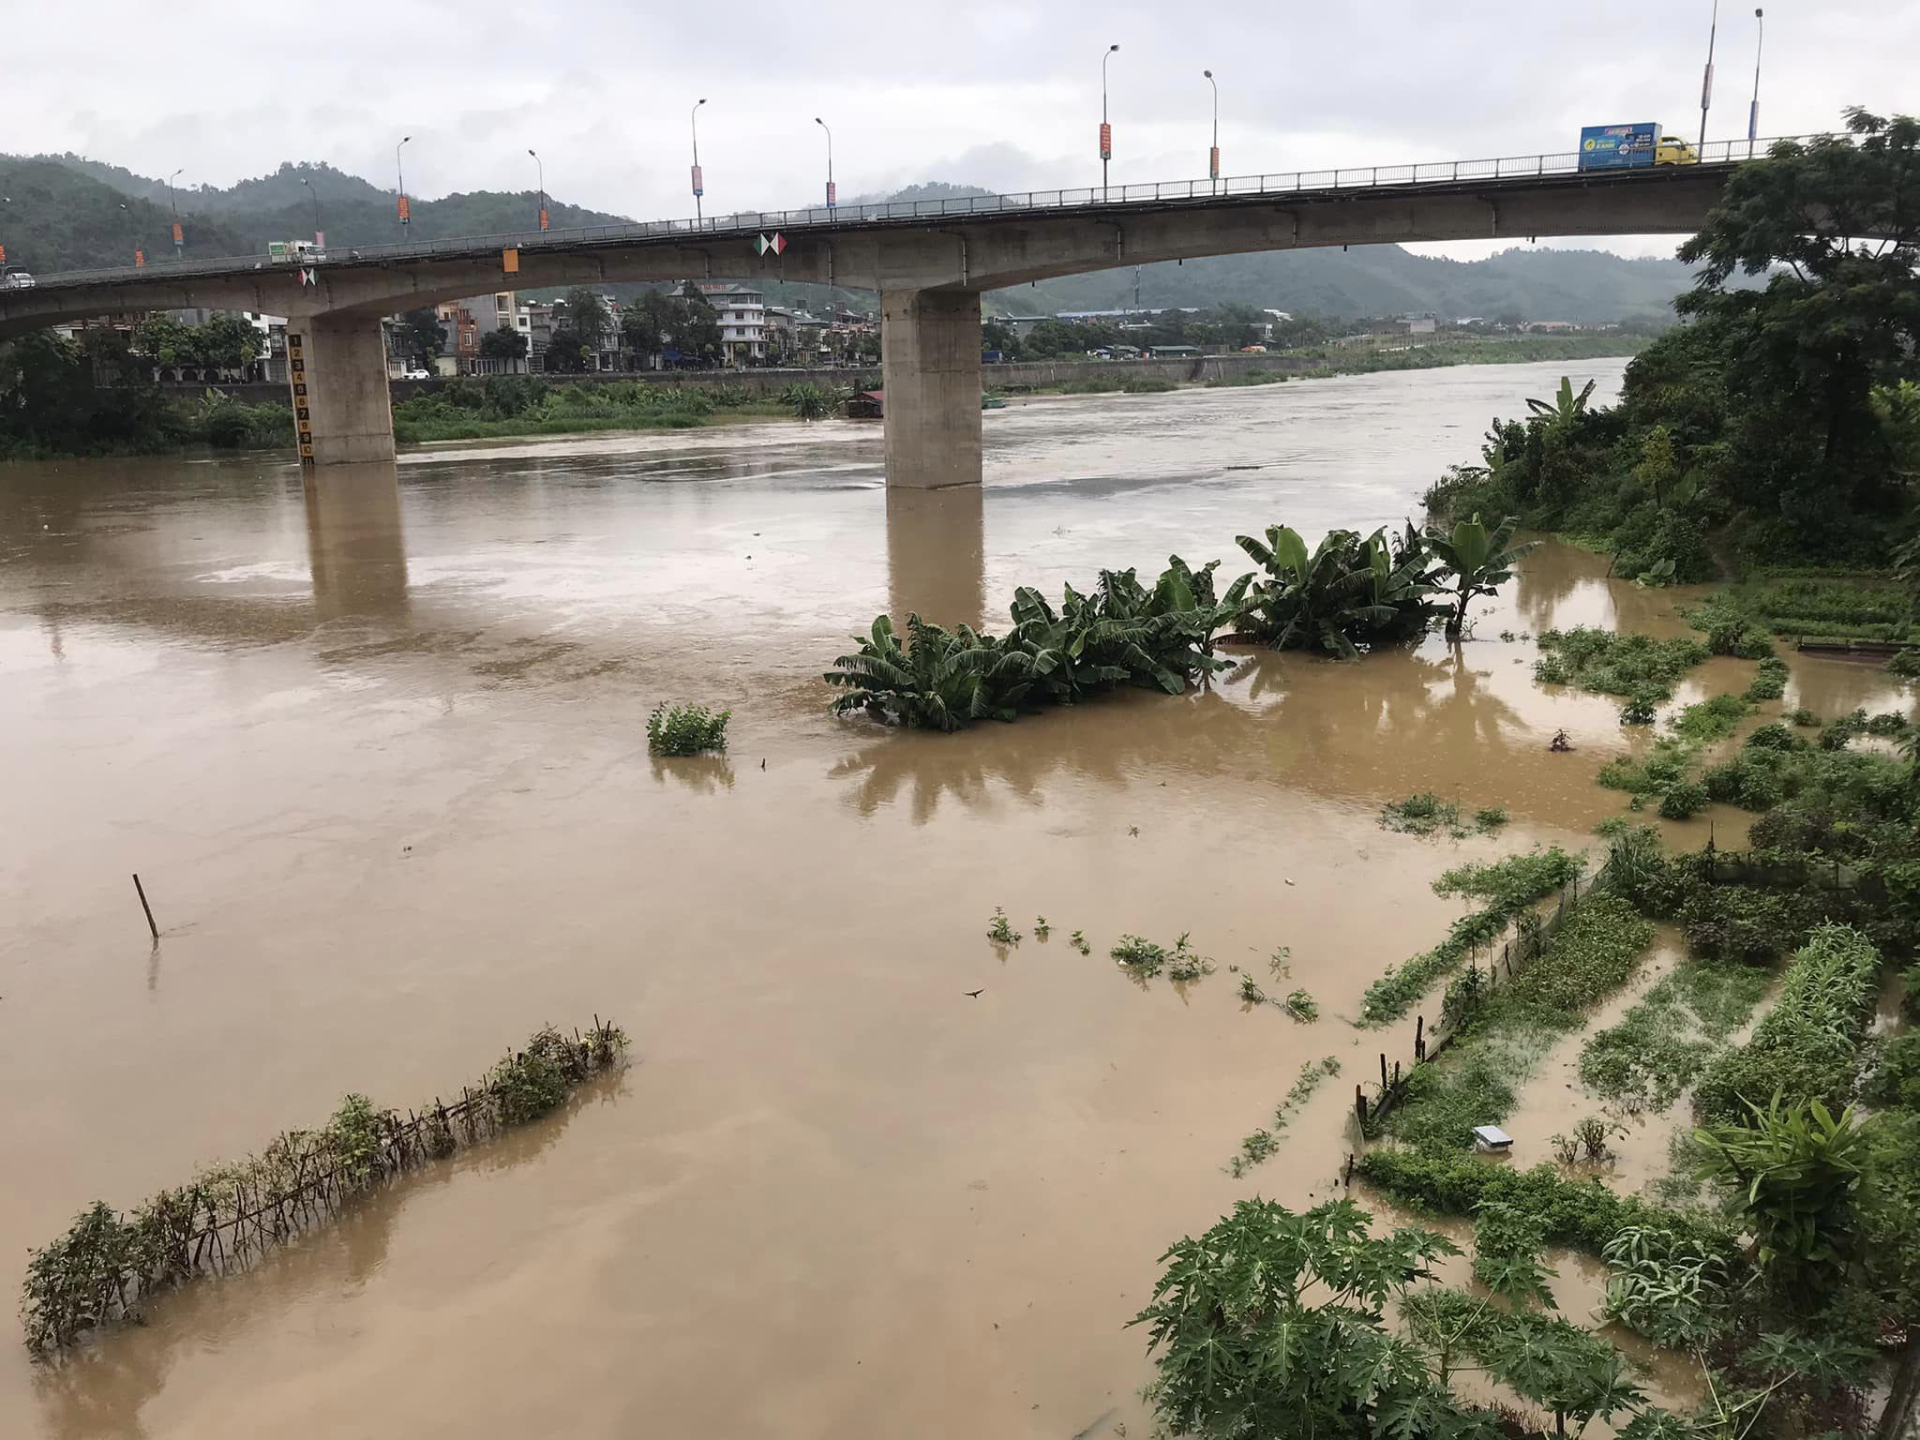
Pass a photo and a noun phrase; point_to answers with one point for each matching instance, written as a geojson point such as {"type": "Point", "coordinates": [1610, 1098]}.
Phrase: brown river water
{"type": "Point", "coordinates": [379, 756]}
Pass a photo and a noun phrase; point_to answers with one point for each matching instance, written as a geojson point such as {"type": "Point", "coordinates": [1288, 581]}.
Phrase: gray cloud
{"type": "Point", "coordinates": [1001, 95]}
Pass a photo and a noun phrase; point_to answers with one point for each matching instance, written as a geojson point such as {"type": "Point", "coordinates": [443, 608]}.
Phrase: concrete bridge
{"type": "Point", "coordinates": [928, 260]}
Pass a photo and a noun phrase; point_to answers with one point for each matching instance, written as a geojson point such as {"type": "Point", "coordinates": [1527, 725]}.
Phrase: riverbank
{"type": "Point", "coordinates": [173, 420]}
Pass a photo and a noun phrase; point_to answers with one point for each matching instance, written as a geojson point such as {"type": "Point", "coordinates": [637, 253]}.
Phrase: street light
{"type": "Point", "coordinates": [179, 236]}
{"type": "Point", "coordinates": [1706, 81]}
{"type": "Point", "coordinates": [1753, 113]}
{"type": "Point", "coordinates": [543, 185]}
{"type": "Point", "coordinates": [832, 197]}
{"type": "Point", "coordinates": [1213, 155]}
{"type": "Point", "coordinates": [319, 236]}
{"type": "Point", "coordinates": [699, 185]}
{"type": "Point", "coordinates": [1106, 130]}
{"type": "Point", "coordinates": [401, 175]}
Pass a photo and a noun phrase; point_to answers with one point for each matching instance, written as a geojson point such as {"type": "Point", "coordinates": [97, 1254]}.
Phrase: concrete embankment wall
{"type": "Point", "coordinates": [1037, 373]}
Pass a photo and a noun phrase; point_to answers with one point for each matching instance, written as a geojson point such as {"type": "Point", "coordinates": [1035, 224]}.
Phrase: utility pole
{"type": "Point", "coordinates": [1213, 155]}
{"type": "Point", "coordinates": [1706, 81]}
{"type": "Point", "coordinates": [699, 184]}
{"type": "Point", "coordinates": [1106, 130]}
{"type": "Point", "coordinates": [179, 235]}
{"type": "Point", "coordinates": [1753, 112]}
{"type": "Point", "coordinates": [401, 175]}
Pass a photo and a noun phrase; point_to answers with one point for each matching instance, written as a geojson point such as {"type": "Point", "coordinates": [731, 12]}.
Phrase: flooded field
{"type": "Point", "coordinates": [379, 756]}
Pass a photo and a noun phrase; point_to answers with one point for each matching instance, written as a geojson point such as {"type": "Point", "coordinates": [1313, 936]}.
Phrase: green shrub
{"type": "Point", "coordinates": [1712, 719]}
{"type": "Point", "coordinates": [1770, 680]}
{"type": "Point", "coordinates": [1905, 664]}
{"type": "Point", "coordinates": [1736, 922]}
{"type": "Point", "coordinates": [1683, 801]}
{"type": "Point", "coordinates": [686, 729]}
{"type": "Point", "coordinates": [1420, 814]}
{"type": "Point", "coordinates": [1895, 1080]}
{"type": "Point", "coordinates": [1807, 1046]}
{"type": "Point", "coordinates": [1774, 737]}
{"type": "Point", "coordinates": [1804, 717]}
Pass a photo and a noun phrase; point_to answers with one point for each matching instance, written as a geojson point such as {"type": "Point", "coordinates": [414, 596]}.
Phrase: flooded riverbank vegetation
{"type": "Point", "coordinates": [1348, 593]}
{"type": "Point", "coordinates": [110, 1263]}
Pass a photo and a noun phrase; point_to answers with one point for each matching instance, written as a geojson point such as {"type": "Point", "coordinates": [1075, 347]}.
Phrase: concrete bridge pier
{"type": "Point", "coordinates": [930, 363]}
{"type": "Point", "coordinates": [337, 371]}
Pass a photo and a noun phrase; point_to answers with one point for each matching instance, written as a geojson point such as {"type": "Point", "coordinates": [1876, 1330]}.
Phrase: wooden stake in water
{"type": "Point", "coordinates": [141, 891]}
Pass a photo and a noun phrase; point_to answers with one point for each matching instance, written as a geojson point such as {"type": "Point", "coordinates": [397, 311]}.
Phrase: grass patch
{"type": "Point", "coordinates": [1663, 1043]}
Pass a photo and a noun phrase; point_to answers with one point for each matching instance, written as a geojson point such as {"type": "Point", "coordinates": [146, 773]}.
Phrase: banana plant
{"type": "Point", "coordinates": [1479, 560]}
{"type": "Point", "coordinates": [940, 680]}
{"type": "Point", "coordinates": [1565, 407]}
{"type": "Point", "coordinates": [1346, 592]}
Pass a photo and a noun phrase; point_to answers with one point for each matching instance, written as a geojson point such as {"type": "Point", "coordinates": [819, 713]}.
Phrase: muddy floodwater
{"type": "Point", "coordinates": [378, 754]}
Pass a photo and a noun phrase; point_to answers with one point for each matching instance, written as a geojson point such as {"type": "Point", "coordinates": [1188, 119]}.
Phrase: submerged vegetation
{"type": "Point", "coordinates": [1507, 888]}
{"type": "Point", "coordinates": [1348, 594]}
{"type": "Point", "coordinates": [110, 1263]}
{"type": "Point", "coordinates": [1262, 1143]}
{"type": "Point", "coordinates": [686, 729]}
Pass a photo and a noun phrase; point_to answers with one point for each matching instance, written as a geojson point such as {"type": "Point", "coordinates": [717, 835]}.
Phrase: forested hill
{"type": "Point", "coordinates": [66, 212]}
{"type": "Point", "coordinates": [1577, 285]}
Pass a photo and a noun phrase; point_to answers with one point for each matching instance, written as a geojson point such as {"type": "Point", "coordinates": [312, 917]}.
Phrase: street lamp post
{"type": "Point", "coordinates": [401, 175]}
{"type": "Point", "coordinates": [319, 235]}
{"type": "Point", "coordinates": [1753, 111]}
{"type": "Point", "coordinates": [1706, 81]}
{"type": "Point", "coordinates": [1106, 130]}
{"type": "Point", "coordinates": [541, 166]}
{"type": "Point", "coordinates": [1213, 155]}
{"type": "Point", "coordinates": [179, 236]}
{"type": "Point", "coordinates": [832, 197]}
{"type": "Point", "coordinates": [699, 181]}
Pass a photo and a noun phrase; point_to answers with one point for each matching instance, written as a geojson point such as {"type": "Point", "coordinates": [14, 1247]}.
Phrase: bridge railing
{"type": "Point", "coordinates": [1432, 172]}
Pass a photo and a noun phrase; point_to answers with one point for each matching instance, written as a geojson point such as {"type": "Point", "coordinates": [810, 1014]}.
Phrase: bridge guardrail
{"type": "Point", "coordinates": [1435, 172]}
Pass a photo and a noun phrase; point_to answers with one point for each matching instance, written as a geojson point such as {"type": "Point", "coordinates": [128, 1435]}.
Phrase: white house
{"type": "Point", "coordinates": [742, 313]}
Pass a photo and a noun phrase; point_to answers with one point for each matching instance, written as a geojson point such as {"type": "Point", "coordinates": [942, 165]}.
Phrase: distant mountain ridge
{"type": "Point", "coordinates": [69, 212]}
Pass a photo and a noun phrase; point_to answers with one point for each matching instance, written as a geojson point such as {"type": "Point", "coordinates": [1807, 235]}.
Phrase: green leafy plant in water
{"type": "Point", "coordinates": [1302, 1007]}
{"type": "Point", "coordinates": [1420, 814]}
{"type": "Point", "coordinates": [1184, 963]}
{"type": "Point", "coordinates": [1804, 717]}
{"type": "Point", "coordinates": [1593, 1135]}
{"type": "Point", "coordinates": [1041, 929]}
{"type": "Point", "coordinates": [1490, 817]}
{"type": "Point", "coordinates": [1281, 962]}
{"type": "Point", "coordinates": [940, 680]}
{"type": "Point", "coordinates": [1000, 930]}
{"type": "Point", "coordinates": [1251, 992]}
{"type": "Point", "coordinates": [1141, 956]}
{"type": "Point", "coordinates": [1607, 663]}
{"type": "Point", "coordinates": [686, 729]}
{"type": "Point", "coordinates": [1079, 942]}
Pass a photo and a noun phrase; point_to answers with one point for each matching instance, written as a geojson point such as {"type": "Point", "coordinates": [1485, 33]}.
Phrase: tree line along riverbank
{"type": "Point", "coordinates": [51, 407]}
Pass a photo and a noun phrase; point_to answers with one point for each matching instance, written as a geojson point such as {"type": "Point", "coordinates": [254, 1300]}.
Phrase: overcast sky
{"type": "Point", "coordinates": [1006, 96]}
